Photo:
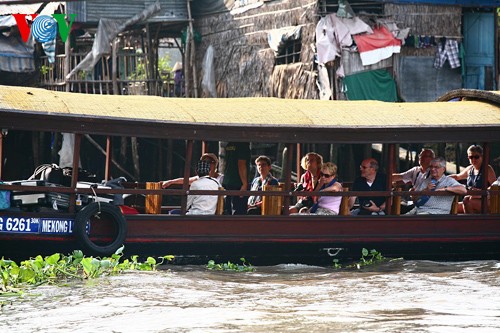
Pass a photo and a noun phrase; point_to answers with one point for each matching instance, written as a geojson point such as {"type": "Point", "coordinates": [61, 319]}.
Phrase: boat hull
{"type": "Point", "coordinates": [287, 239]}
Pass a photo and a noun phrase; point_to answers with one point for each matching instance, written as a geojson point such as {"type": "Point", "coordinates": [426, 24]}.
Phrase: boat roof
{"type": "Point", "coordinates": [258, 119]}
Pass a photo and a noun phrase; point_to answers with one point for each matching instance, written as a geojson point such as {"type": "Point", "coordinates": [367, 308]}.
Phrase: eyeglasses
{"type": "Point", "coordinates": [364, 167]}
{"type": "Point", "coordinates": [325, 175]}
{"type": "Point", "coordinates": [435, 167]}
{"type": "Point", "coordinates": [474, 157]}
{"type": "Point", "coordinates": [209, 161]}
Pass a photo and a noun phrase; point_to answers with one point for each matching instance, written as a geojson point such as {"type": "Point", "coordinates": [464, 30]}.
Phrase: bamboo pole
{"type": "Point", "coordinates": [114, 59]}
{"type": "Point", "coordinates": [193, 53]}
{"type": "Point", "coordinates": [187, 172]}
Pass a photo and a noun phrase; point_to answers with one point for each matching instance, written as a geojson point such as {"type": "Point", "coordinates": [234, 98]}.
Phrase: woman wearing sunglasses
{"type": "Point", "coordinates": [471, 204]}
{"type": "Point", "coordinates": [327, 205]}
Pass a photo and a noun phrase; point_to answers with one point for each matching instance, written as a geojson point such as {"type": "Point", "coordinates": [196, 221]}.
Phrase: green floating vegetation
{"type": "Point", "coordinates": [367, 258]}
{"type": "Point", "coordinates": [59, 268]}
{"type": "Point", "coordinates": [229, 266]}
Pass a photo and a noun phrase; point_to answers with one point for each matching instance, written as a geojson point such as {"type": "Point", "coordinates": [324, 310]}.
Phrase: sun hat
{"type": "Point", "coordinates": [211, 156]}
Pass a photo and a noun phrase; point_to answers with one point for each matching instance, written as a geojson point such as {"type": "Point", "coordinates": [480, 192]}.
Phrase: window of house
{"type": "Point", "coordinates": [289, 52]}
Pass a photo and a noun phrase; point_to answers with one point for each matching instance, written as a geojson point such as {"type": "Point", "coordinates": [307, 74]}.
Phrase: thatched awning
{"type": "Point", "coordinates": [249, 119]}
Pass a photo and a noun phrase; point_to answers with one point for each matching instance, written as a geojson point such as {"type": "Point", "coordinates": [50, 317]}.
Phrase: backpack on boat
{"type": "Point", "coordinates": [4, 199]}
{"type": "Point", "coordinates": [53, 173]}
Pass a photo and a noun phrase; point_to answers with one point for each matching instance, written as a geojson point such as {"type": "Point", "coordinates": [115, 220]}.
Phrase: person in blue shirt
{"type": "Point", "coordinates": [263, 163]}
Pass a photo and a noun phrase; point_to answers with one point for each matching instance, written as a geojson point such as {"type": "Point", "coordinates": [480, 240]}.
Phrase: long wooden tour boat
{"type": "Point", "coordinates": [100, 228]}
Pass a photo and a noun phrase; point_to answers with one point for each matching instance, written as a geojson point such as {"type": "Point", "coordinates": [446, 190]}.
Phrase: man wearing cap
{"type": "Point", "coordinates": [214, 173]}
{"type": "Point", "coordinates": [203, 204]}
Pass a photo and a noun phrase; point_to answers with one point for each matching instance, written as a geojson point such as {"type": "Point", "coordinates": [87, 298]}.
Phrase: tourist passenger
{"type": "Point", "coordinates": [328, 205]}
{"type": "Point", "coordinates": [417, 174]}
{"type": "Point", "coordinates": [214, 173]}
{"type": "Point", "coordinates": [497, 162]}
{"type": "Point", "coordinates": [311, 163]}
{"type": "Point", "coordinates": [265, 177]}
{"type": "Point", "coordinates": [370, 180]}
{"type": "Point", "coordinates": [438, 182]}
{"type": "Point", "coordinates": [236, 176]}
{"type": "Point", "coordinates": [203, 204]}
{"type": "Point", "coordinates": [473, 173]}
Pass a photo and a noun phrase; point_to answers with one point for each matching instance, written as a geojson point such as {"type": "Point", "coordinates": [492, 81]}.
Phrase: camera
{"type": "Point", "coordinates": [299, 187]}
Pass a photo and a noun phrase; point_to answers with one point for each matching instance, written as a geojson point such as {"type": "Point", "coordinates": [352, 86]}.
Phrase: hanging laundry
{"type": "Point", "coordinates": [377, 46]}
{"type": "Point", "coordinates": [448, 52]}
{"type": "Point", "coordinates": [331, 35]}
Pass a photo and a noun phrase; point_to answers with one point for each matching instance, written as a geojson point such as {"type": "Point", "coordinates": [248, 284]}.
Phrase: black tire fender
{"type": "Point", "coordinates": [112, 213]}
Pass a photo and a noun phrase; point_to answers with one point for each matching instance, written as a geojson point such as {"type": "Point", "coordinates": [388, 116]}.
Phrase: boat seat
{"type": "Point", "coordinates": [495, 199]}
{"type": "Point", "coordinates": [153, 201]}
{"type": "Point", "coordinates": [219, 210]}
{"type": "Point", "coordinates": [344, 204]}
{"type": "Point", "coordinates": [272, 205]}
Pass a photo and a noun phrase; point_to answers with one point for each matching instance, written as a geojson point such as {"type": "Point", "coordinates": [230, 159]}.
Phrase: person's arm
{"type": "Point", "coordinates": [336, 187]}
{"type": "Point", "coordinates": [461, 175]}
{"type": "Point", "coordinates": [396, 177]}
{"type": "Point", "coordinates": [457, 189]}
{"type": "Point", "coordinates": [491, 176]}
{"type": "Point", "coordinates": [242, 171]}
{"type": "Point", "coordinates": [177, 181]}
{"type": "Point", "coordinates": [352, 200]}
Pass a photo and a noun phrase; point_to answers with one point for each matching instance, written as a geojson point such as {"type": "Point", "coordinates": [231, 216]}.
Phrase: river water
{"type": "Point", "coordinates": [398, 296]}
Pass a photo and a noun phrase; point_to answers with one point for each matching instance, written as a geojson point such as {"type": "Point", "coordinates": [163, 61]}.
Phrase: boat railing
{"type": "Point", "coordinates": [139, 189]}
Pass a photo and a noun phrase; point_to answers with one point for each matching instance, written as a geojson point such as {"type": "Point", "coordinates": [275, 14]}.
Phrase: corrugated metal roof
{"type": "Point", "coordinates": [28, 8]}
{"type": "Point", "coordinates": [265, 117]}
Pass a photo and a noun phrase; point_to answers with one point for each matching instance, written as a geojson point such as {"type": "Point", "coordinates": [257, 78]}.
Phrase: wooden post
{"type": "Point", "coordinates": [114, 60]}
{"type": "Point", "coordinates": [193, 52]}
{"type": "Point", "coordinates": [107, 170]}
{"type": "Point", "coordinates": [74, 176]}
{"type": "Point", "coordinates": [204, 147]}
{"type": "Point", "coordinates": [185, 66]}
{"type": "Point", "coordinates": [288, 178]}
{"type": "Point", "coordinates": [153, 201]}
{"type": "Point", "coordinates": [391, 163]}
{"type": "Point", "coordinates": [67, 61]}
{"type": "Point", "coordinates": [135, 157]}
{"type": "Point", "coordinates": [299, 168]}
{"type": "Point", "coordinates": [187, 173]}
{"type": "Point", "coordinates": [484, 171]}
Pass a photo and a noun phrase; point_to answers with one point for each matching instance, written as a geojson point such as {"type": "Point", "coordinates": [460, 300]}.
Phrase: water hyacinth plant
{"type": "Point", "coordinates": [229, 266]}
{"type": "Point", "coordinates": [57, 268]}
{"type": "Point", "coordinates": [367, 258]}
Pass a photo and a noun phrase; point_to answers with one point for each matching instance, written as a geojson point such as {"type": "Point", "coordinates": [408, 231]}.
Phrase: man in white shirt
{"type": "Point", "coordinates": [416, 175]}
{"type": "Point", "coordinates": [203, 204]}
{"type": "Point", "coordinates": [438, 182]}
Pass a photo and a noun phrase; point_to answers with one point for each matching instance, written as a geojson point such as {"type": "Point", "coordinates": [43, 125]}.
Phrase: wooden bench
{"type": "Point", "coordinates": [495, 199]}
